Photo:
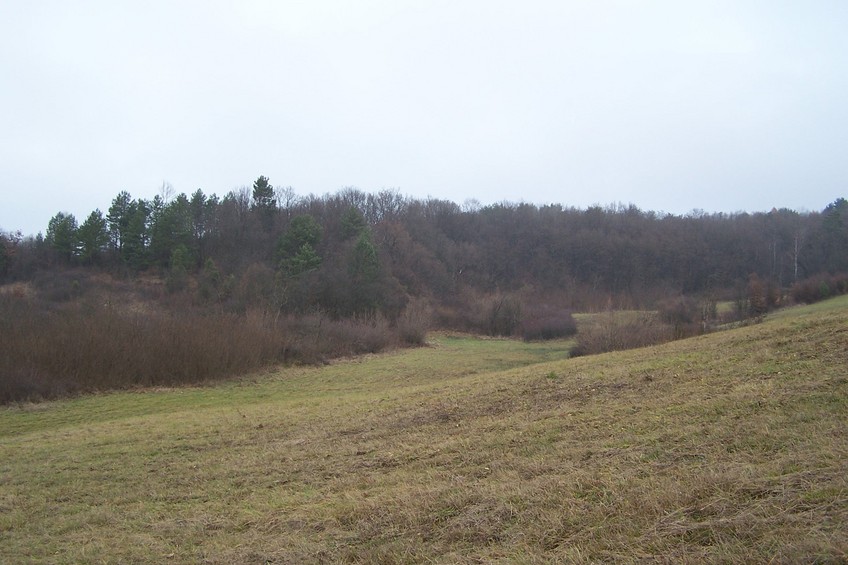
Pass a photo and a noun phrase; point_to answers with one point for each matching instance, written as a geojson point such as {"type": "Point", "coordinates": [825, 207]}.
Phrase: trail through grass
{"type": "Point", "coordinates": [726, 448]}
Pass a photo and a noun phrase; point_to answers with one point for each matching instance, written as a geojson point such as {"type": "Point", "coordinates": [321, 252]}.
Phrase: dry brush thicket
{"type": "Point", "coordinates": [87, 346]}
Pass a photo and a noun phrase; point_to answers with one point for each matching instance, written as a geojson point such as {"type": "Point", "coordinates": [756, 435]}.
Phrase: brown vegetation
{"type": "Point", "coordinates": [818, 288]}
{"type": "Point", "coordinates": [617, 331]}
{"type": "Point", "coordinates": [51, 350]}
{"type": "Point", "coordinates": [305, 279]}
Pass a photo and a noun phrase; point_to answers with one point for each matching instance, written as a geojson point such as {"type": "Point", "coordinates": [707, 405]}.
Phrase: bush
{"type": "Point", "coordinates": [61, 285]}
{"type": "Point", "coordinates": [255, 288]}
{"type": "Point", "coordinates": [686, 316]}
{"type": "Point", "coordinates": [678, 311]}
{"type": "Point", "coordinates": [616, 331]}
{"type": "Point", "coordinates": [81, 348]}
{"type": "Point", "coordinates": [317, 338]}
{"type": "Point", "coordinates": [762, 296]}
{"type": "Point", "coordinates": [50, 351]}
{"type": "Point", "coordinates": [819, 288]}
{"type": "Point", "coordinates": [503, 316]}
{"type": "Point", "coordinates": [544, 322]}
{"type": "Point", "coordinates": [414, 322]}
{"type": "Point", "coordinates": [485, 314]}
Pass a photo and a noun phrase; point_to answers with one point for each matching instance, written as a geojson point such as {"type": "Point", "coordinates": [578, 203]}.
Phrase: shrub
{"type": "Point", "coordinates": [316, 338]}
{"type": "Point", "coordinates": [485, 314]}
{"type": "Point", "coordinates": [61, 285]}
{"type": "Point", "coordinates": [78, 347]}
{"type": "Point", "coordinates": [616, 331]}
{"type": "Point", "coordinates": [504, 316]}
{"type": "Point", "coordinates": [678, 311]}
{"type": "Point", "coordinates": [819, 288]}
{"type": "Point", "coordinates": [255, 288]}
{"type": "Point", "coordinates": [413, 323]}
{"type": "Point", "coordinates": [544, 322]}
{"type": "Point", "coordinates": [686, 316]}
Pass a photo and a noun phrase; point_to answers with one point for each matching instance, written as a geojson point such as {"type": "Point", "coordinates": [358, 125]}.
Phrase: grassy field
{"type": "Point", "coordinates": [726, 448]}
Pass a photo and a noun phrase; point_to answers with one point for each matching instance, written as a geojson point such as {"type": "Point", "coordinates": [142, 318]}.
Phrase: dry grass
{"type": "Point", "coordinates": [726, 448]}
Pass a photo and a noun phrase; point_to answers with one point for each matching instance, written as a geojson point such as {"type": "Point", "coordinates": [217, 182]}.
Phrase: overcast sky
{"type": "Point", "coordinates": [670, 105]}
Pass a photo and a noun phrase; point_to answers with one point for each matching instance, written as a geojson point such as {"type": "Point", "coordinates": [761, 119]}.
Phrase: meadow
{"type": "Point", "coordinates": [730, 447]}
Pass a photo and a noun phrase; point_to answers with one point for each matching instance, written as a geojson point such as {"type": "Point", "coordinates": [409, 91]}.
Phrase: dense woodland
{"type": "Point", "coordinates": [354, 253]}
{"type": "Point", "coordinates": [403, 265]}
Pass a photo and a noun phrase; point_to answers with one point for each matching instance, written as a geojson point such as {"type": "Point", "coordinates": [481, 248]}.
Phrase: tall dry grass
{"type": "Point", "coordinates": [49, 350]}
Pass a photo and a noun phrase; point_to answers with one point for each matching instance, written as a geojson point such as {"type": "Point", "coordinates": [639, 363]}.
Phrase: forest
{"type": "Point", "coordinates": [354, 272]}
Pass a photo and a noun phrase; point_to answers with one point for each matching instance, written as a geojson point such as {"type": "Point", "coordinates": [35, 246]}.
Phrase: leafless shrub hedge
{"type": "Point", "coordinates": [51, 350]}
{"type": "Point", "coordinates": [414, 322]}
{"type": "Point", "coordinates": [478, 313]}
{"type": "Point", "coordinates": [483, 314]}
{"type": "Point", "coordinates": [819, 288]}
{"type": "Point", "coordinates": [541, 322]}
{"type": "Point", "coordinates": [685, 316]}
{"type": "Point", "coordinates": [614, 332]}
{"type": "Point", "coordinates": [317, 338]}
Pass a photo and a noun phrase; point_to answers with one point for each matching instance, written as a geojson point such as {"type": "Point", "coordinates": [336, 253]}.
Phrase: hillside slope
{"type": "Point", "coordinates": [731, 447]}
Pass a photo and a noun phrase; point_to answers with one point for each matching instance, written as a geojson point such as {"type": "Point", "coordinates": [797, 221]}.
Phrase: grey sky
{"type": "Point", "coordinates": [670, 105]}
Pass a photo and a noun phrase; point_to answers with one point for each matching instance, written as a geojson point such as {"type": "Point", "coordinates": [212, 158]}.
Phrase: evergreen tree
{"type": "Point", "coordinates": [118, 219]}
{"type": "Point", "coordinates": [93, 236]}
{"type": "Point", "coordinates": [364, 271]}
{"type": "Point", "coordinates": [296, 259]}
{"type": "Point", "coordinates": [263, 194]}
{"type": "Point", "coordinates": [209, 284]}
{"type": "Point", "coordinates": [835, 236]}
{"type": "Point", "coordinates": [364, 264]}
{"type": "Point", "coordinates": [136, 238]}
{"type": "Point", "coordinates": [170, 227]}
{"type": "Point", "coordinates": [62, 235]}
{"type": "Point", "coordinates": [201, 222]}
{"type": "Point", "coordinates": [264, 203]}
{"type": "Point", "coordinates": [178, 266]}
{"type": "Point", "coordinates": [306, 259]}
{"type": "Point", "coordinates": [353, 223]}
{"type": "Point", "coordinates": [304, 230]}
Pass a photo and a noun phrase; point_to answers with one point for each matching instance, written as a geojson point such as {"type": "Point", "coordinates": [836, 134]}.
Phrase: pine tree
{"type": "Point", "coordinates": [93, 236]}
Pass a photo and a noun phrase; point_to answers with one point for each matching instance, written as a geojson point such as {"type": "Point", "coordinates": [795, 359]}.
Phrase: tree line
{"type": "Point", "coordinates": [358, 254]}
{"type": "Point", "coordinates": [191, 288]}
